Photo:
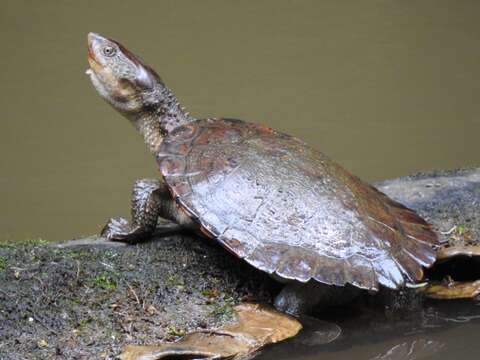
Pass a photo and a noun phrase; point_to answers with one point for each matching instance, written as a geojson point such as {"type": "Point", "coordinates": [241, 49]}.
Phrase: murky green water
{"type": "Point", "coordinates": [386, 88]}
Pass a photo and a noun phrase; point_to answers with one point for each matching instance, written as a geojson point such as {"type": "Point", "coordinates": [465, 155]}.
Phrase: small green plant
{"type": "Point", "coordinates": [176, 280]}
{"type": "Point", "coordinates": [210, 293]}
{"type": "Point", "coordinates": [79, 254]}
{"type": "Point", "coordinates": [83, 323]}
{"type": "Point", "coordinates": [461, 233]}
{"type": "Point", "coordinates": [9, 243]}
{"type": "Point", "coordinates": [460, 229]}
{"type": "Point", "coordinates": [3, 263]}
{"type": "Point", "coordinates": [173, 331]}
{"type": "Point", "coordinates": [32, 242]}
{"type": "Point", "coordinates": [105, 281]}
{"type": "Point", "coordinates": [223, 309]}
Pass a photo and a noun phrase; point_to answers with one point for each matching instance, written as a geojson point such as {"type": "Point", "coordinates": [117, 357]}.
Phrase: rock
{"type": "Point", "coordinates": [94, 298]}
{"type": "Point", "coordinates": [445, 198]}
{"type": "Point", "coordinates": [88, 298]}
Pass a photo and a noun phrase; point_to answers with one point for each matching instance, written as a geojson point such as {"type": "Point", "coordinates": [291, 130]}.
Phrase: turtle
{"type": "Point", "coordinates": [265, 196]}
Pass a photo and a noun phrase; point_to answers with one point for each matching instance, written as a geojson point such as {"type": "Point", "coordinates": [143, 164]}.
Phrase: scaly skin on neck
{"type": "Point", "coordinates": [154, 122]}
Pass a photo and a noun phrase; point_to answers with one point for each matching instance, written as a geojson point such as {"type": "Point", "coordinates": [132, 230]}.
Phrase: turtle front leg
{"type": "Point", "coordinates": [149, 198]}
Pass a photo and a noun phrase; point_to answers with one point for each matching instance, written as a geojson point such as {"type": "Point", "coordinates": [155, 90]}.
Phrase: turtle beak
{"type": "Point", "coordinates": [94, 40]}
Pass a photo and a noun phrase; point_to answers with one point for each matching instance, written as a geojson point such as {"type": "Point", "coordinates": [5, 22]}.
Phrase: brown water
{"type": "Point", "coordinates": [440, 331]}
{"type": "Point", "coordinates": [386, 88]}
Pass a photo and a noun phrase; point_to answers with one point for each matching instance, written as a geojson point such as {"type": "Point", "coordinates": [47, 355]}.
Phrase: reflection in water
{"type": "Point", "coordinates": [317, 332]}
{"type": "Point", "coordinates": [463, 319]}
{"type": "Point", "coordinates": [416, 349]}
{"type": "Point", "coordinates": [434, 330]}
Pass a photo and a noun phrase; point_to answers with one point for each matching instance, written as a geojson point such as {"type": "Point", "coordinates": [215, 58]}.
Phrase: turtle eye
{"type": "Point", "coordinates": [109, 51]}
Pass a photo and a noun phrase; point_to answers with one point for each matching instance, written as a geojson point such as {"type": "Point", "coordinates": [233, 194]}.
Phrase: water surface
{"type": "Point", "coordinates": [386, 88]}
{"type": "Point", "coordinates": [440, 330]}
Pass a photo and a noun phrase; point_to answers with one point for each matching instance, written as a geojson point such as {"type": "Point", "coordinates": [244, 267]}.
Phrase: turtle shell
{"type": "Point", "coordinates": [289, 210]}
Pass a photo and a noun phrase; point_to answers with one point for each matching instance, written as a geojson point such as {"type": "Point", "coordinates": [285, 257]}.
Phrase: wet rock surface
{"type": "Point", "coordinates": [447, 199]}
{"type": "Point", "coordinates": [89, 298]}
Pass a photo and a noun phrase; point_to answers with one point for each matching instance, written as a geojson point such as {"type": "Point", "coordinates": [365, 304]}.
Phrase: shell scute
{"type": "Point", "coordinates": [172, 166]}
{"type": "Point", "coordinates": [297, 264]}
{"type": "Point", "coordinates": [266, 256]}
{"type": "Point", "coordinates": [331, 271]}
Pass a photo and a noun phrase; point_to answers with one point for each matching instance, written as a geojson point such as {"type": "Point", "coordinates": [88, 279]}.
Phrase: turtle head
{"type": "Point", "coordinates": [121, 78]}
{"type": "Point", "coordinates": [134, 89]}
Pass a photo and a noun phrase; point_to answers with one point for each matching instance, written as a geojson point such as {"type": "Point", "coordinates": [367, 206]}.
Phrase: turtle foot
{"type": "Point", "coordinates": [119, 229]}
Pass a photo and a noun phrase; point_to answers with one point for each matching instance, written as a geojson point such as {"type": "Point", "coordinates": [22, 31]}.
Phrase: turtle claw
{"type": "Point", "coordinates": [119, 229]}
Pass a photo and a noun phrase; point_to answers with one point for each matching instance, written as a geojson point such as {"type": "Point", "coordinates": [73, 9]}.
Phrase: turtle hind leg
{"type": "Point", "coordinates": [150, 199]}
{"type": "Point", "coordinates": [298, 298]}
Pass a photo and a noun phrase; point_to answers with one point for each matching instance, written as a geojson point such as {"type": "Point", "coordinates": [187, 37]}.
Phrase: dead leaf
{"type": "Point", "coordinates": [452, 290]}
{"type": "Point", "coordinates": [255, 326]}
{"type": "Point", "coordinates": [446, 253]}
{"type": "Point", "coordinates": [42, 343]}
